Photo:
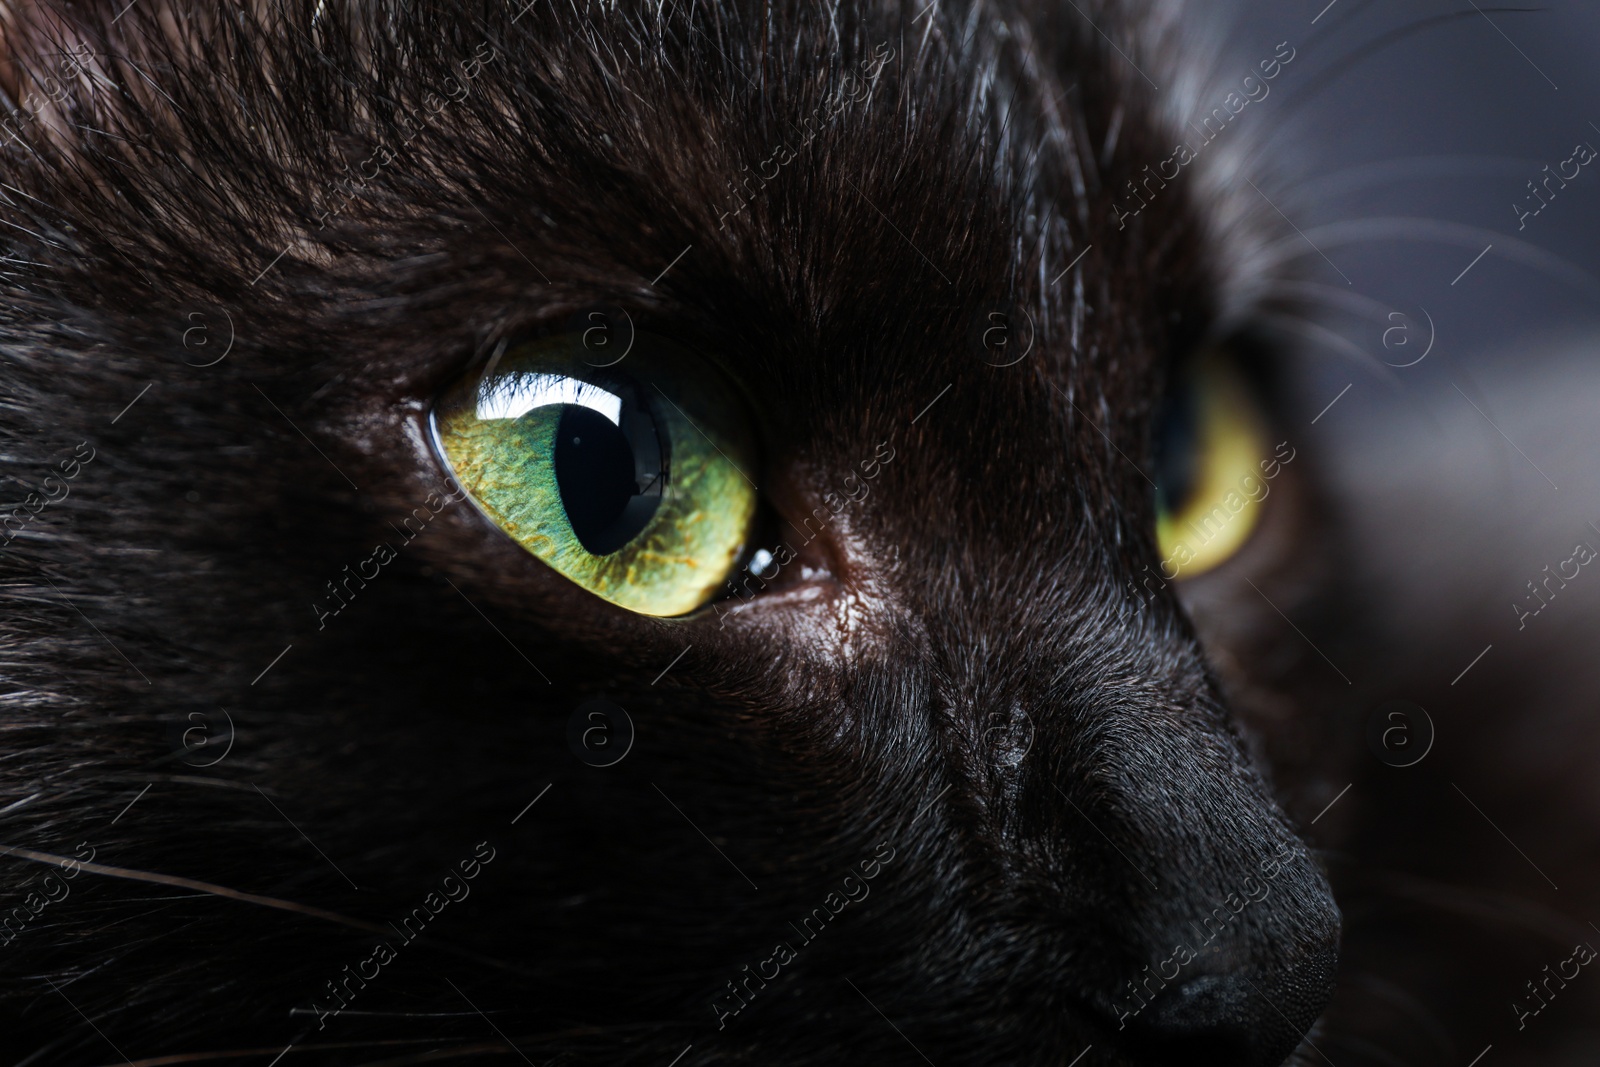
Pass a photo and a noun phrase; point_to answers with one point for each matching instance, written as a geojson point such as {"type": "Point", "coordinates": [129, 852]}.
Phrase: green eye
{"type": "Point", "coordinates": [631, 484]}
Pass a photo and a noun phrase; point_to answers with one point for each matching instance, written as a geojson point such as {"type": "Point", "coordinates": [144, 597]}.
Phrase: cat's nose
{"type": "Point", "coordinates": [1221, 1016]}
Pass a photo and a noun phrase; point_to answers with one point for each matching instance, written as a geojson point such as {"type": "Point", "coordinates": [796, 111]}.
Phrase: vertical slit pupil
{"type": "Point", "coordinates": [610, 475]}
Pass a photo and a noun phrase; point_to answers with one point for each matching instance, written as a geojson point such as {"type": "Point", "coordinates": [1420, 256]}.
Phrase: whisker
{"type": "Point", "coordinates": [1309, 90]}
{"type": "Point", "coordinates": [1392, 994]}
{"type": "Point", "coordinates": [432, 1055]}
{"type": "Point", "coordinates": [1459, 234]}
{"type": "Point", "coordinates": [180, 779]}
{"type": "Point", "coordinates": [1363, 1047]}
{"type": "Point", "coordinates": [1334, 342]}
{"type": "Point", "coordinates": [1344, 16]}
{"type": "Point", "coordinates": [191, 883]}
{"type": "Point", "coordinates": [352, 1014]}
{"type": "Point", "coordinates": [40, 1052]}
{"type": "Point", "coordinates": [1333, 296]}
{"type": "Point", "coordinates": [1387, 171]}
{"type": "Point", "coordinates": [1464, 901]}
{"type": "Point", "coordinates": [252, 898]}
{"type": "Point", "coordinates": [273, 1050]}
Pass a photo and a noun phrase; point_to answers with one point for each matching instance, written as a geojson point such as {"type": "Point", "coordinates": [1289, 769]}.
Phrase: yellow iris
{"type": "Point", "coordinates": [1212, 470]}
{"type": "Point", "coordinates": [632, 484]}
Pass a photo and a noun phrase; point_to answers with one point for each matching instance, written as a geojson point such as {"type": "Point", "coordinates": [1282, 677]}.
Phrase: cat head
{"type": "Point", "coordinates": [929, 760]}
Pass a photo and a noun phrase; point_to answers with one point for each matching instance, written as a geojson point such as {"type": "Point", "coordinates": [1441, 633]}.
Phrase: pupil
{"type": "Point", "coordinates": [1177, 449]}
{"type": "Point", "coordinates": [610, 475]}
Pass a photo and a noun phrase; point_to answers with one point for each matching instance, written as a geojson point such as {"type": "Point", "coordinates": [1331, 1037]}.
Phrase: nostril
{"type": "Point", "coordinates": [1238, 1019]}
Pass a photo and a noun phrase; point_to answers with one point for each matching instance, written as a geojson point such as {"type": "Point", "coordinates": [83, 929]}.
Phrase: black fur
{"type": "Point", "coordinates": [972, 605]}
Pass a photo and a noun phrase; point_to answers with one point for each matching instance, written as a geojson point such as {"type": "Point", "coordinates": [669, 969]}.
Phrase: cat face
{"type": "Point", "coordinates": [927, 757]}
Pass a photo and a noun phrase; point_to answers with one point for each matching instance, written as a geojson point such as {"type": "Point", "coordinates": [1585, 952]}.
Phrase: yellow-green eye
{"type": "Point", "coordinates": [1212, 460]}
{"type": "Point", "coordinates": [632, 484]}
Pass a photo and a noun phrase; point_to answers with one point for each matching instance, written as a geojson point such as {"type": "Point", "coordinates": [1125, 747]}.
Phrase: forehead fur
{"type": "Point", "coordinates": [801, 158]}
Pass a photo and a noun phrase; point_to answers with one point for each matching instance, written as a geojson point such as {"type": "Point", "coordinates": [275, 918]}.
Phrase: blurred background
{"type": "Point", "coordinates": [1405, 142]}
{"type": "Point", "coordinates": [1448, 381]}
{"type": "Point", "coordinates": [1442, 111]}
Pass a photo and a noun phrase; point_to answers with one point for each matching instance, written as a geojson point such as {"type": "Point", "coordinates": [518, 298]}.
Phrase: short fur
{"type": "Point", "coordinates": [974, 604]}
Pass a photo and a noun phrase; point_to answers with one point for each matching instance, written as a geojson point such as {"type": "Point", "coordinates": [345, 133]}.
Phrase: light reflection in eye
{"type": "Point", "coordinates": [515, 395]}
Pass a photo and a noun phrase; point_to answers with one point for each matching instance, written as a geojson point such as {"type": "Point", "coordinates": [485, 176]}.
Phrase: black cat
{"type": "Point", "coordinates": [646, 534]}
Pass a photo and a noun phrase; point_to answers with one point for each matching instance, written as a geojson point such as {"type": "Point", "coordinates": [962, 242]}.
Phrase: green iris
{"type": "Point", "coordinates": [631, 484]}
